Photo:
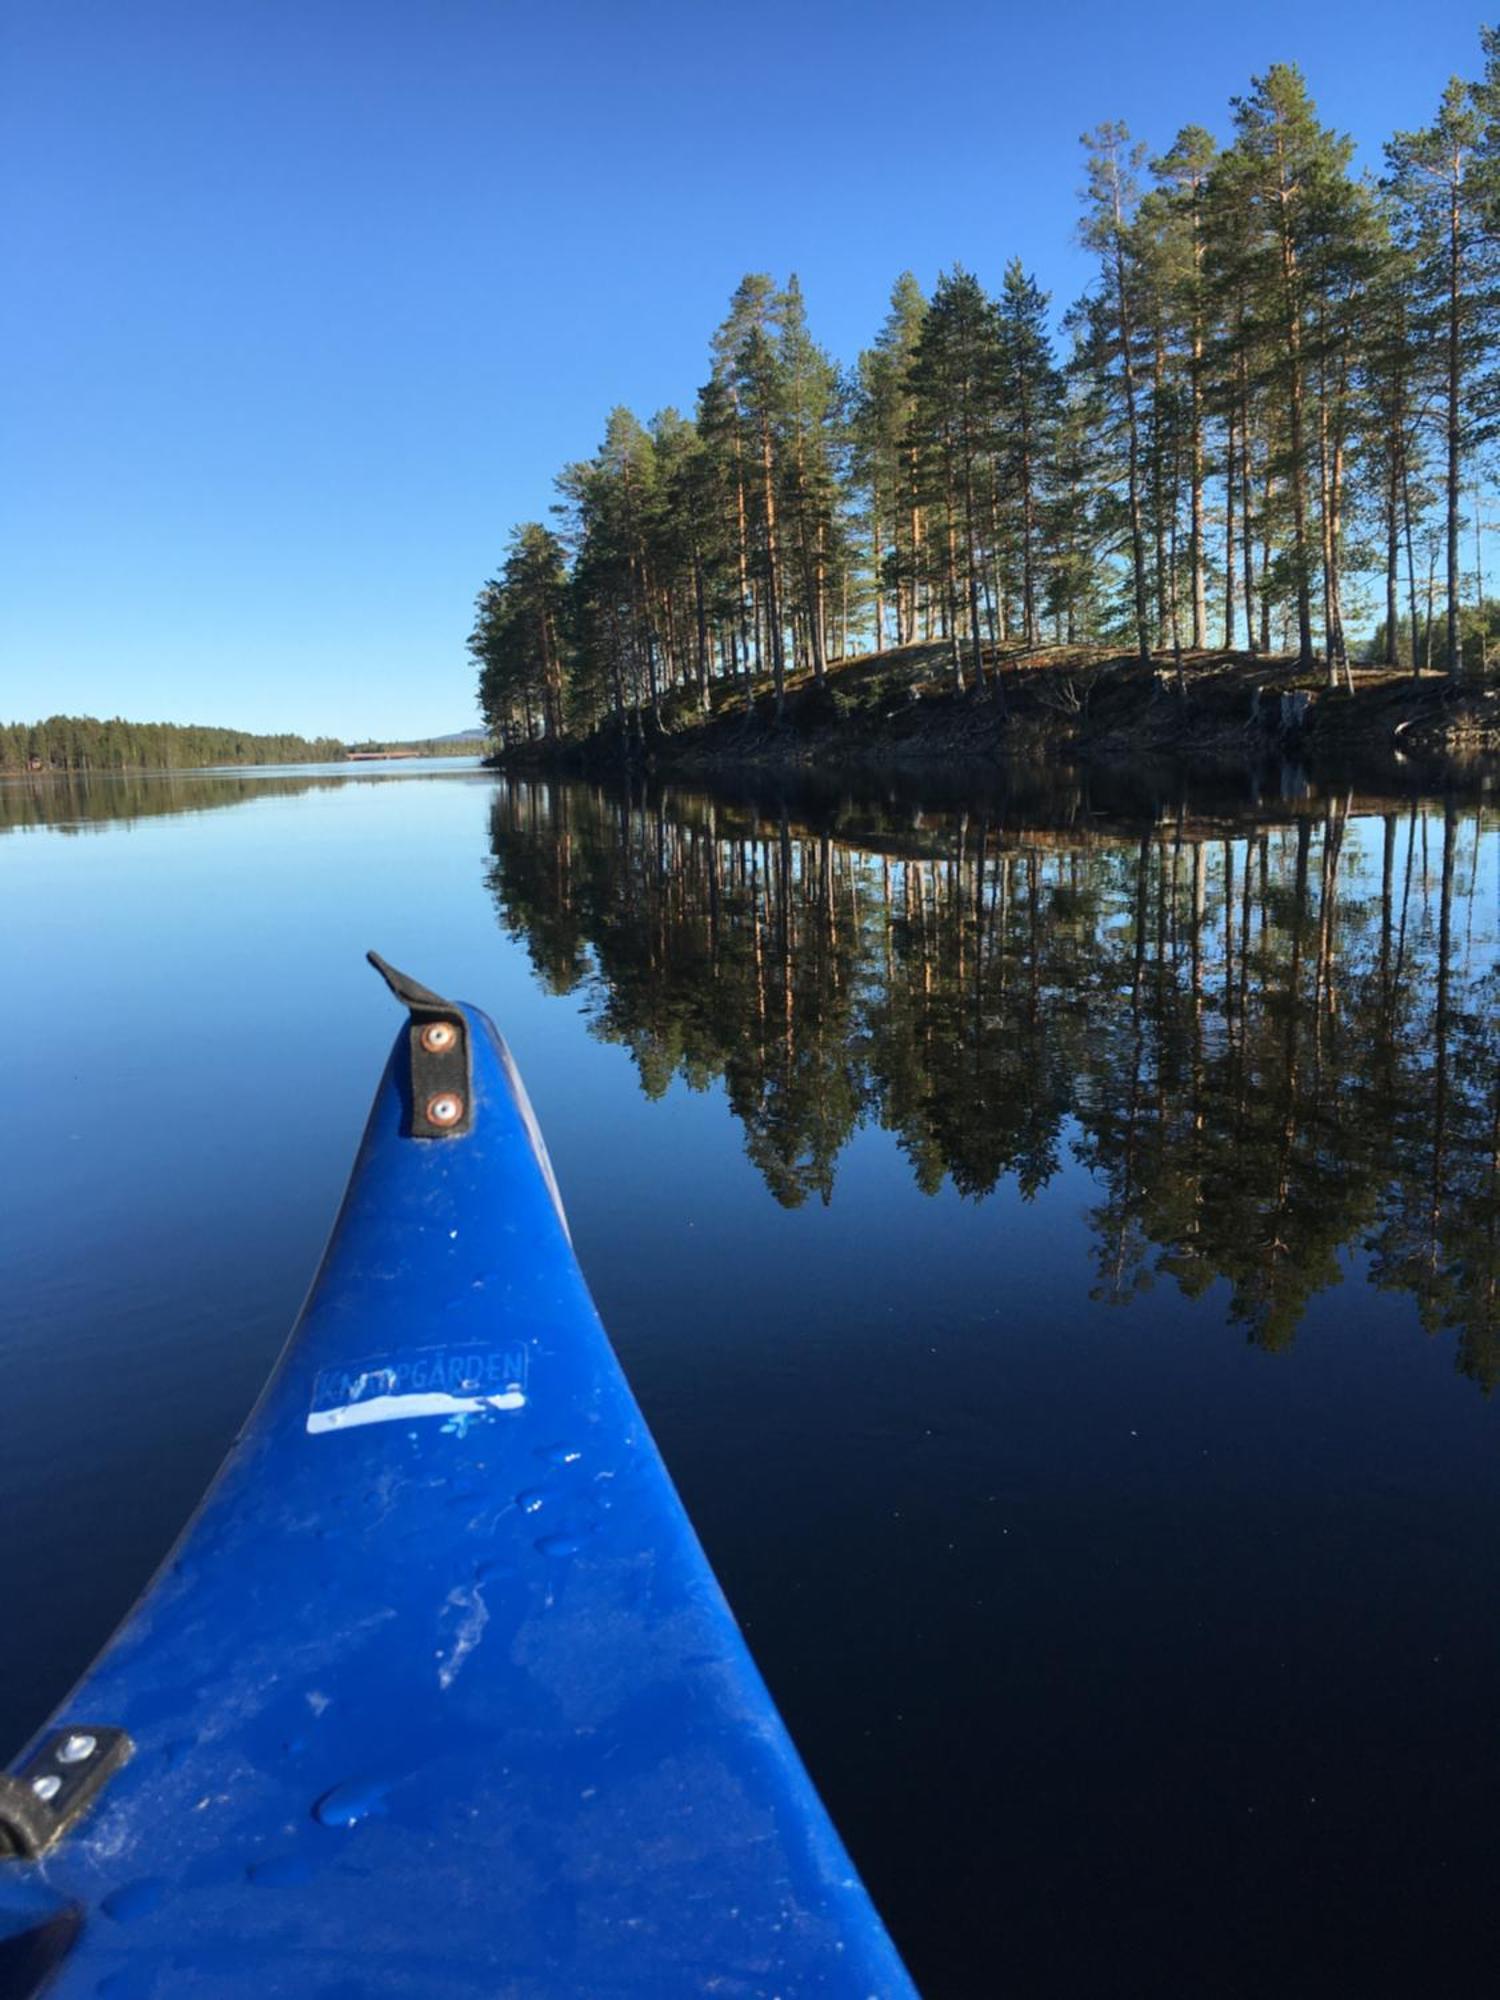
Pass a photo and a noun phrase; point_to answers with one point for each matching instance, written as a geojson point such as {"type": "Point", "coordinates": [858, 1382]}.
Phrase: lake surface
{"type": "Point", "coordinates": [1055, 1238]}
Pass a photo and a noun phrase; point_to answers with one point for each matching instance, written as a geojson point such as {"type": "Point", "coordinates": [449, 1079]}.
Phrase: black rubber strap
{"type": "Point", "coordinates": [439, 1075]}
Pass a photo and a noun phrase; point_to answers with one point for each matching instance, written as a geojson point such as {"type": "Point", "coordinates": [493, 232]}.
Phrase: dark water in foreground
{"type": "Point", "coordinates": [1057, 1247]}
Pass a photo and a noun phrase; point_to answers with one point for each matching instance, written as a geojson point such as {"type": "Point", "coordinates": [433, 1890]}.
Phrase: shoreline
{"type": "Point", "coordinates": [895, 714]}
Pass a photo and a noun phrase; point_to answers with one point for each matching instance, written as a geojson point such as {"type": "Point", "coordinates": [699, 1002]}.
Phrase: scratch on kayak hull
{"type": "Point", "coordinates": [470, 1631]}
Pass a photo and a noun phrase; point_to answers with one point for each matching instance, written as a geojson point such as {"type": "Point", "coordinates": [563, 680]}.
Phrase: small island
{"type": "Point", "coordinates": [1230, 500]}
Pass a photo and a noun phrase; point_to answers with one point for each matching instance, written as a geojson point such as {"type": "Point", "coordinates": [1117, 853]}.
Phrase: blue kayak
{"type": "Point", "coordinates": [437, 1694]}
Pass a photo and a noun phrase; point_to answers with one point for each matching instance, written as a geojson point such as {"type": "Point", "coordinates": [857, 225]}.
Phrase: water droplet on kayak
{"type": "Point", "coordinates": [560, 1545]}
{"type": "Point", "coordinates": [348, 1804]}
{"type": "Point", "coordinates": [134, 1899]}
{"type": "Point", "coordinates": [559, 1454]}
{"type": "Point", "coordinates": [279, 1871]}
{"type": "Point", "coordinates": [531, 1501]}
{"type": "Point", "coordinates": [494, 1566]}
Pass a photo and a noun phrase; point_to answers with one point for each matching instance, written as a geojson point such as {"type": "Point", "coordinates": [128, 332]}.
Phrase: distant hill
{"type": "Point", "coordinates": [461, 743]}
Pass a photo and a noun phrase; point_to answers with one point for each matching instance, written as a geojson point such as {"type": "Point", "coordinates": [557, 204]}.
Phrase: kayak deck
{"type": "Point", "coordinates": [437, 1693]}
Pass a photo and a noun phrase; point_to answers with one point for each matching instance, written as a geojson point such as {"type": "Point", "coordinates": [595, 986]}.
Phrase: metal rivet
{"type": "Point", "coordinates": [77, 1748]}
{"type": "Point", "coordinates": [47, 1788]}
{"type": "Point", "coordinates": [445, 1109]}
{"type": "Point", "coordinates": [439, 1036]}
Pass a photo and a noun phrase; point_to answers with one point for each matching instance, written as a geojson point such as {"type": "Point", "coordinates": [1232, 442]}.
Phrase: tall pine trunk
{"type": "Point", "coordinates": [1028, 526]}
{"type": "Point", "coordinates": [1411, 560]}
{"type": "Point", "coordinates": [950, 578]}
{"type": "Point", "coordinates": [971, 552]}
{"type": "Point", "coordinates": [1247, 501]}
{"type": "Point", "coordinates": [1454, 415]}
{"type": "Point", "coordinates": [1229, 535]}
{"type": "Point", "coordinates": [1196, 560]}
{"type": "Point", "coordinates": [877, 566]}
{"type": "Point", "coordinates": [1165, 581]}
{"type": "Point", "coordinates": [1132, 422]}
{"type": "Point", "coordinates": [773, 591]}
{"type": "Point", "coordinates": [1392, 560]}
{"type": "Point", "coordinates": [1296, 418]}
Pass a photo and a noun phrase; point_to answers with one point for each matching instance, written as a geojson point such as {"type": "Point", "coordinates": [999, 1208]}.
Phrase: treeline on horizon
{"type": "Point", "coordinates": [1281, 383]}
{"type": "Point", "coordinates": [85, 743]}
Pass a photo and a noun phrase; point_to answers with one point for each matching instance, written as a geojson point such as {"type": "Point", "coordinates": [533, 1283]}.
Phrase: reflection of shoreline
{"type": "Point", "coordinates": [1066, 800]}
{"type": "Point", "coordinates": [86, 801]}
{"type": "Point", "coordinates": [1271, 1042]}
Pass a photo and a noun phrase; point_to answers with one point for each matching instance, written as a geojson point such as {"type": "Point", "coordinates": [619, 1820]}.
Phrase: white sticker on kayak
{"type": "Point", "coordinates": [459, 1383]}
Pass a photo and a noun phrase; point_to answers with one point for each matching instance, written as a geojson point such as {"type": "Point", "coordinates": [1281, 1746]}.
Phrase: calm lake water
{"type": "Point", "coordinates": [1055, 1238]}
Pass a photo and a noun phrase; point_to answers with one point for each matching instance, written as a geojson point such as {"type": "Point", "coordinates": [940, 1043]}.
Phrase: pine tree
{"type": "Point", "coordinates": [518, 636]}
{"type": "Point", "coordinates": [1400, 380]}
{"type": "Point", "coordinates": [884, 466]}
{"type": "Point", "coordinates": [748, 367]}
{"type": "Point", "coordinates": [728, 532]}
{"type": "Point", "coordinates": [1444, 183]}
{"type": "Point", "coordinates": [611, 506]}
{"type": "Point", "coordinates": [1115, 318]}
{"type": "Point", "coordinates": [1180, 217]}
{"type": "Point", "coordinates": [1029, 412]}
{"type": "Point", "coordinates": [808, 447]}
{"type": "Point", "coordinates": [955, 384]}
{"type": "Point", "coordinates": [1074, 533]}
{"type": "Point", "coordinates": [1289, 168]}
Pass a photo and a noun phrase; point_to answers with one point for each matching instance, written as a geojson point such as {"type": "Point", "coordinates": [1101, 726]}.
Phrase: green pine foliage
{"type": "Point", "coordinates": [84, 743]}
{"type": "Point", "coordinates": [1278, 388]}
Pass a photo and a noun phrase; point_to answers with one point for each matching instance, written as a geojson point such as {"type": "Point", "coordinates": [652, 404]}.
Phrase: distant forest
{"type": "Point", "coordinates": [84, 743]}
{"type": "Point", "coordinates": [1264, 428]}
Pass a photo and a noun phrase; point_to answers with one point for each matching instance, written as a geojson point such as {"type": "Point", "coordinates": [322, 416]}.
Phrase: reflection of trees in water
{"type": "Point", "coordinates": [1274, 1045]}
{"type": "Point", "coordinates": [83, 801]}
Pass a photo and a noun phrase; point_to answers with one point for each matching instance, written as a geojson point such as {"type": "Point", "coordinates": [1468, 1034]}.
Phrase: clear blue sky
{"type": "Point", "coordinates": [306, 300]}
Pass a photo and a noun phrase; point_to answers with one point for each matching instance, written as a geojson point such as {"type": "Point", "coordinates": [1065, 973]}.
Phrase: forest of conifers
{"type": "Point", "coordinates": [84, 743]}
{"type": "Point", "coordinates": [1264, 427]}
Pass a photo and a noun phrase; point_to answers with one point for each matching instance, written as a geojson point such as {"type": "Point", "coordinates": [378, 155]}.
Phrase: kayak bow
{"type": "Point", "coordinates": [437, 1693]}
